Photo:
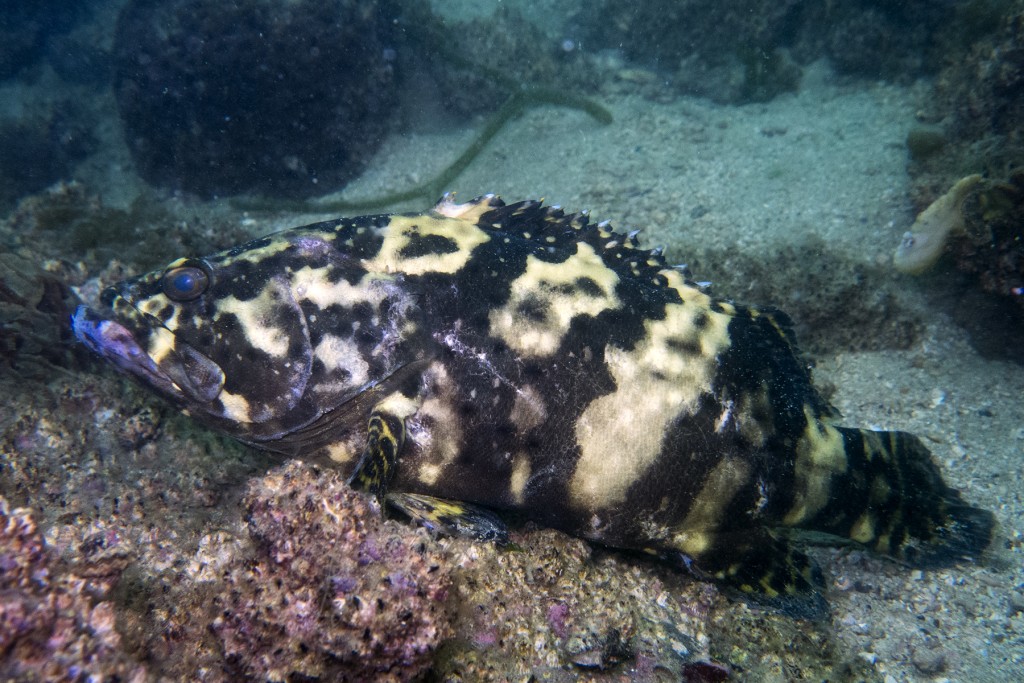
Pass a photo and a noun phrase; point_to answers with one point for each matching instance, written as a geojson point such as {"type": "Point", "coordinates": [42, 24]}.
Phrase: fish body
{"type": "Point", "coordinates": [922, 245]}
{"type": "Point", "coordinates": [485, 356]}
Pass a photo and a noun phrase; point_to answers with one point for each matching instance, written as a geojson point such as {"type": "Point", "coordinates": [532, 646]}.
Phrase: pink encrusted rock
{"type": "Point", "coordinates": [335, 591]}
{"type": "Point", "coordinates": [54, 624]}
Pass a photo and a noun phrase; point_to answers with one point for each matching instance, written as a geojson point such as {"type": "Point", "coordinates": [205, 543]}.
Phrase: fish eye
{"type": "Point", "coordinates": [185, 283]}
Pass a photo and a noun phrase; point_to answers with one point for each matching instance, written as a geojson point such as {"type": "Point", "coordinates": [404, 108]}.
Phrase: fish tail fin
{"type": "Point", "coordinates": [893, 499]}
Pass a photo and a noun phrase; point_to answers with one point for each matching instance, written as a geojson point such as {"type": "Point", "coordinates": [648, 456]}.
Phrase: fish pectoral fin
{"type": "Point", "coordinates": [385, 436]}
{"type": "Point", "coordinates": [767, 568]}
{"type": "Point", "coordinates": [451, 517]}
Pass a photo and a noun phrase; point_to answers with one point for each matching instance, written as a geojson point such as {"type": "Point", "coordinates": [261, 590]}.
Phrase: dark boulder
{"type": "Point", "coordinates": [285, 97]}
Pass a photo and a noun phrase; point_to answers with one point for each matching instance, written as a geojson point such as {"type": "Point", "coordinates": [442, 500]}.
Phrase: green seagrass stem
{"type": "Point", "coordinates": [519, 101]}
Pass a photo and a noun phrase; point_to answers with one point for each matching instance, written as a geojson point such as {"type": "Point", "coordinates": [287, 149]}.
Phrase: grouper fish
{"type": "Point", "coordinates": [484, 357]}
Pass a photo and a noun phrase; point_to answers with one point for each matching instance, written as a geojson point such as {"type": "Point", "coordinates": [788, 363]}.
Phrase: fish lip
{"type": "Point", "coordinates": [183, 374]}
{"type": "Point", "coordinates": [116, 343]}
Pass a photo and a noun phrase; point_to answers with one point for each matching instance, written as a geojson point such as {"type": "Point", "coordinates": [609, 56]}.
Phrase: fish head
{"type": "Point", "coordinates": [262, 339]}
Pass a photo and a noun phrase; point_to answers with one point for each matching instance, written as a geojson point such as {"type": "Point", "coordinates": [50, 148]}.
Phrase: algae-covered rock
{"type": "Point", "coordinates": [707, 46]}
{"type": "Point", "coordinates": [924, 141]}
{"type": "Point", "coordinates": [992, 250]}
{"type": "Point", "coordinates": [35, 306]}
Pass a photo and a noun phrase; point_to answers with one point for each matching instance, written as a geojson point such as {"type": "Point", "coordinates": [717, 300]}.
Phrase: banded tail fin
{"type": "Point", "coordinates": [767, 568]}
{"type": "Point", "coordinates": [893, 499]}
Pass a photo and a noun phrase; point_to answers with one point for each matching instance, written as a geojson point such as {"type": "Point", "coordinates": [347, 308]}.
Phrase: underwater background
{"type": "Point", "coordinates": [781, 149]}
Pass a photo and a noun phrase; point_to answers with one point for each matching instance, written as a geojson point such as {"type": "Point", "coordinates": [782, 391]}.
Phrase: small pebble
{"type": "Point", "coordinates": [929, 660]}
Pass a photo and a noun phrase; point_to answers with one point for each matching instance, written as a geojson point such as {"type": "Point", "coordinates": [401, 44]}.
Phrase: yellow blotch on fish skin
{"type": "Point", "coordinates": [694, 534]}
{"type": "Point", "coordinates": [429, 473]}
{"type": "Point", "coordinates": [435, 429]}
{"type": "Point", "coordinates": [400, 232]}
{"type": "Point", "coordinates": [655, 384]}
{"type": "Point", "coordinates": [398, 405]}
{"type": "Point", "coordinates": [820, 456]}
{"type": "Point", "coordinates": [873, 446]}
{"type": "Point", "coordinates": [342, 452]}
{"type": "Point", "coordinates": [316, 286]}
{"type": "Point", "coordinates": [161, 344]}
{"type": "Point", "coordinates": [551, 292]}
{"type": "Point", "coordinates": [340, 353]}
{"type": "Point", "coordinates": [443, 445]}
{"type": "Point", "coordinates": [236, 407]}
{"type": "Point", "coordinates": [520, 478]}
{"type": "Point", "coordinates": [156, 303]}
{"type": "Point", "coordinates": [258, 254]}
{"type": "Point", "coordinates": [749, 406]}
{"type": "Point", "coordinates": [922, 245]}
{"type": "Point", "coordinates": [863, 530]}
{"type": "Point", "coordinates": [252, 316]}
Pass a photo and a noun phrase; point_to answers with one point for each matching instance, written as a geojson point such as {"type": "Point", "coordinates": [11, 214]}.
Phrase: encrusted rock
{"type": "Point", "coordinates": [54, 624]}
{"type": "Point", "coordinates": [335, 592]}
{"type": "Point", "coordinates": [35, 306]}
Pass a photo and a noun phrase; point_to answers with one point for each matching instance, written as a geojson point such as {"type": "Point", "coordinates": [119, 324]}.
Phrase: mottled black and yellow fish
{"type": "Point", "coordinates": [485, 356]}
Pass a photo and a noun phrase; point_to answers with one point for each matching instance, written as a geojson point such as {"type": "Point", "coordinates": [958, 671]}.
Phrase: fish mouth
{"type": "Point", "coordinates": [177, 371]}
